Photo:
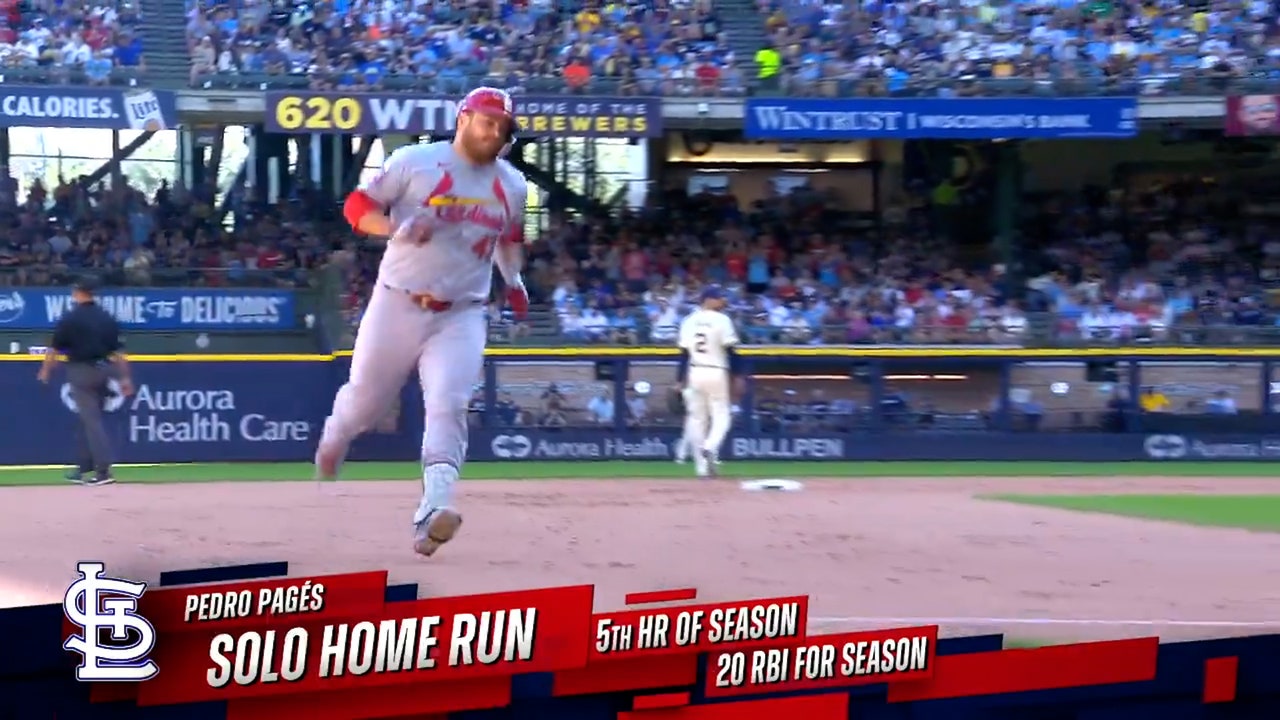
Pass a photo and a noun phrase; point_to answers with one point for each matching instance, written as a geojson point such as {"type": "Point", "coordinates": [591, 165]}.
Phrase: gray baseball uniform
{"type": "Point", "coordinates": [471, 209]}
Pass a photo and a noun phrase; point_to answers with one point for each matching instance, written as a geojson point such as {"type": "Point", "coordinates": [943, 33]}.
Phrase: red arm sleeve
{"type": "Point", "coordinates": [357, 205]}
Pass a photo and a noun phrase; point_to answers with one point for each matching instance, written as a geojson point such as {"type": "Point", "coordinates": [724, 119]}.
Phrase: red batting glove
{"type": "Point", "coordinates": [518, 299]}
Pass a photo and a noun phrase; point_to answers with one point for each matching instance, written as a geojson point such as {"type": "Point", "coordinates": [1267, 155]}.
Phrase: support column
{"type": "Point", "coordinates": [589, 175]}
{"type": "Point", "coordinates": [1005, 209]}
{"type": "Point", "coordinates": [117, 172]}
{"type": "Point", "coordinates": [270, 168]}
{"type": "Point", "coordinates": [330, 159]}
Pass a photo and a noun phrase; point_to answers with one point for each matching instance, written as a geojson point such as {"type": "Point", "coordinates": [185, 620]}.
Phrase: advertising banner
{"type": "Point", "coordinates": [1216, 447]}
{"type": "Point", "coordinates": [157, 308]}
{"type": "Point", "coordinates": [179, 412]}
{"type": "Point", "coordinates": [586, 444]}
{"type": "Point", "coordinates": [538, 116]}
{"type": "Point", "coordinates": [940, 118]}
{"type": "Point", "coordinates": [1252, 115]}
{"type": "Point", "coordinates": [87, 107]}
{"type": "Point", "coordinates": [256, 410]}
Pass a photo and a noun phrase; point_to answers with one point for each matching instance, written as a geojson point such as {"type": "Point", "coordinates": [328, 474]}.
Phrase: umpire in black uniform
{"type": "Point", "coordinates": [89, 337]}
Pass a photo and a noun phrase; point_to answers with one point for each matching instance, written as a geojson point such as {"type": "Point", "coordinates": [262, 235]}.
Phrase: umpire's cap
{"type": "Point", "coordinates": [85, 284]}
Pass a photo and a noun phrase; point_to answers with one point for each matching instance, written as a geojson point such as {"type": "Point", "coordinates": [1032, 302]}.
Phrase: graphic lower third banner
{"type": "Point", "coordinates": [378, 113]}
{"type": "Point", "coordinates": [940, 119]}
{"type": "Point", "coordinates": [1252, 115]}
{"type": "Point", "coordinates": [84, 107]}
{"type": "Point", "coordinates": [157, 309]}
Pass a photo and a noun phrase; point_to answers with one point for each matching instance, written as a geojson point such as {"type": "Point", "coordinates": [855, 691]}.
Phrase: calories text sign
{"type": "Point", "coordinates": [540, 116]}
{"type": "Point", "coordinates": [87, 107]}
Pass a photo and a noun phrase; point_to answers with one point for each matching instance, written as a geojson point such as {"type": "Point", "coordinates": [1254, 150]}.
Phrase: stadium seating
{"type": "Point", "coordinates": [620, 48]}
{"type": "Point", "coordinates": [95, 43]}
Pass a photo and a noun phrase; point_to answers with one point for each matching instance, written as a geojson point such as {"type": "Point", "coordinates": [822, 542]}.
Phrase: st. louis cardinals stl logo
{"type": "Point", "coordinates": [98, 604]}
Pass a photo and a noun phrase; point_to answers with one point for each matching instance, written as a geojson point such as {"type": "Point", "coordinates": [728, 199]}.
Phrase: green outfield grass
{"type": "Point", "coordinates": [1248, 512]}
{"type": "Point", "coordinates": [534, 470]}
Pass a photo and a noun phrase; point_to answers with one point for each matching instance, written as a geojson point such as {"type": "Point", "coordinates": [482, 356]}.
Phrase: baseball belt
{"type": "Point", "coordinates": [427, 301]}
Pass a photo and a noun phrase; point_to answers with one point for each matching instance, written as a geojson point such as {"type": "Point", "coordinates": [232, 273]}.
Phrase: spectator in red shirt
{"type": "Point", "coordinates": [708, 75]}
{"type": "Point", "coordinates": [270, 258]}
{"type": "Point", "coordinates": [96, 35]}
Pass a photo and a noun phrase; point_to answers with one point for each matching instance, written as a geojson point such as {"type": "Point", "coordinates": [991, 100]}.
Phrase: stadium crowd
{"type": "Point", "coordinates": [1101, 267]}
{"type": "Point", "coordinates": [803, 46]}
{"type": "Point", "coordinates": [947, 47]}
{"type": "Point", "coordinates": [1104, 268]}
{"type": "Point", "coordinates": [51, 236]}
{"type": "Point", "coordinates": [56, 37]}
{"type": "Point", "coordinates": [919, 42]}
{"type": "Point", "coordinates": [647, 48]}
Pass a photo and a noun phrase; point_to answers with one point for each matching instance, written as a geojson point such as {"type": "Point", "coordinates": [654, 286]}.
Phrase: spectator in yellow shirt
{"type": "Point", "coordinates": [1153, 401]}
{"type": "Point", "coordinates": [587, 21]}
{"type": "Point", "coordinates": [769, 61]}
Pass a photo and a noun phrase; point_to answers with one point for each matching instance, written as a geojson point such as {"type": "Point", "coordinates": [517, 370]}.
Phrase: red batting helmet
{"type": "Point", "coordinates": [494, 102]}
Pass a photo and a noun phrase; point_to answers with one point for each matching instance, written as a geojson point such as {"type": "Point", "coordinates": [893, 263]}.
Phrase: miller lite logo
{"type": "Point", "coordinates": [1258, 112]}
{"type": "Point", "coordinates": [107, 608]}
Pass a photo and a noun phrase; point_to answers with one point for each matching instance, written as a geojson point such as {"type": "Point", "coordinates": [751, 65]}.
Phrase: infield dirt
{"type": "Point", "coordinates": [869, 553]}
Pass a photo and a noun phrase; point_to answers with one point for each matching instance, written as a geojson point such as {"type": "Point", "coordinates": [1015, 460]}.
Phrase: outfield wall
{"type": "Point", "coordinates": [898, 404]}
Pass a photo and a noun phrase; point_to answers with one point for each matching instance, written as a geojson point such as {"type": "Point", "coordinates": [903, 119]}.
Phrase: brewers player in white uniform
{"type": "Point", "coordinates": [450, 211]}
{"type": "Point", "coordinates": [707, 339]}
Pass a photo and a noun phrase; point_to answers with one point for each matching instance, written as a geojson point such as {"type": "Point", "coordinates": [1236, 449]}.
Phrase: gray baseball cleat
{"type": "Point", "coordinates": [712, 461]}
{"type": "Point", "coordinates": [436, 529]}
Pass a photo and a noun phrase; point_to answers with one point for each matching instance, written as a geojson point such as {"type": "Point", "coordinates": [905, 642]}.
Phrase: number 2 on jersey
{"type": "Point", "coordinates": [700, 342]}
{"type": "Point", "coordinates": [483, 248]}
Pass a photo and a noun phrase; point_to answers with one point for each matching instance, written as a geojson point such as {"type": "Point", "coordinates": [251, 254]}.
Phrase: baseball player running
{"type": "Point", "coordinates": [707, 338]}
{"type": "Point", "coordinates": [450, 211]}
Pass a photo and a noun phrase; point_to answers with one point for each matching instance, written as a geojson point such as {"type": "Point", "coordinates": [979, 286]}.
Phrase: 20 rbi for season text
{"type": "Point", "coordinates": [823, 661]}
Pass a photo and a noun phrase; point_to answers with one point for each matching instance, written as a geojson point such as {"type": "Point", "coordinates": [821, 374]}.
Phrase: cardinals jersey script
{"type": "Point", "coordinates": [472, 208]}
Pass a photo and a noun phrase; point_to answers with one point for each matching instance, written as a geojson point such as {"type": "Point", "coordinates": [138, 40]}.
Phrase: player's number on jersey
{"type": "Point", "coordinates": [483, 248]}
{"type": "Point", "coordinates": [700, 343]}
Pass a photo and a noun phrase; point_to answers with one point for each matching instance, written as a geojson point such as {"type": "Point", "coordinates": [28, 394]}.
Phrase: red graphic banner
{"type": "Point", "coordinates": [331, 647]}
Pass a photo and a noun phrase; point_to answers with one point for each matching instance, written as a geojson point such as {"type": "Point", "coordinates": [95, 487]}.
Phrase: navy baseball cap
{"type": "Point", "coordinates": [85, 284]}
{"type": "Point", "coordinates": [712, 292]}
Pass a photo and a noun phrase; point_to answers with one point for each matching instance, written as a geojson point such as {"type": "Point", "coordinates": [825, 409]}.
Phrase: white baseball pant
{"type": "Point", "coordinates": [707, 409]}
